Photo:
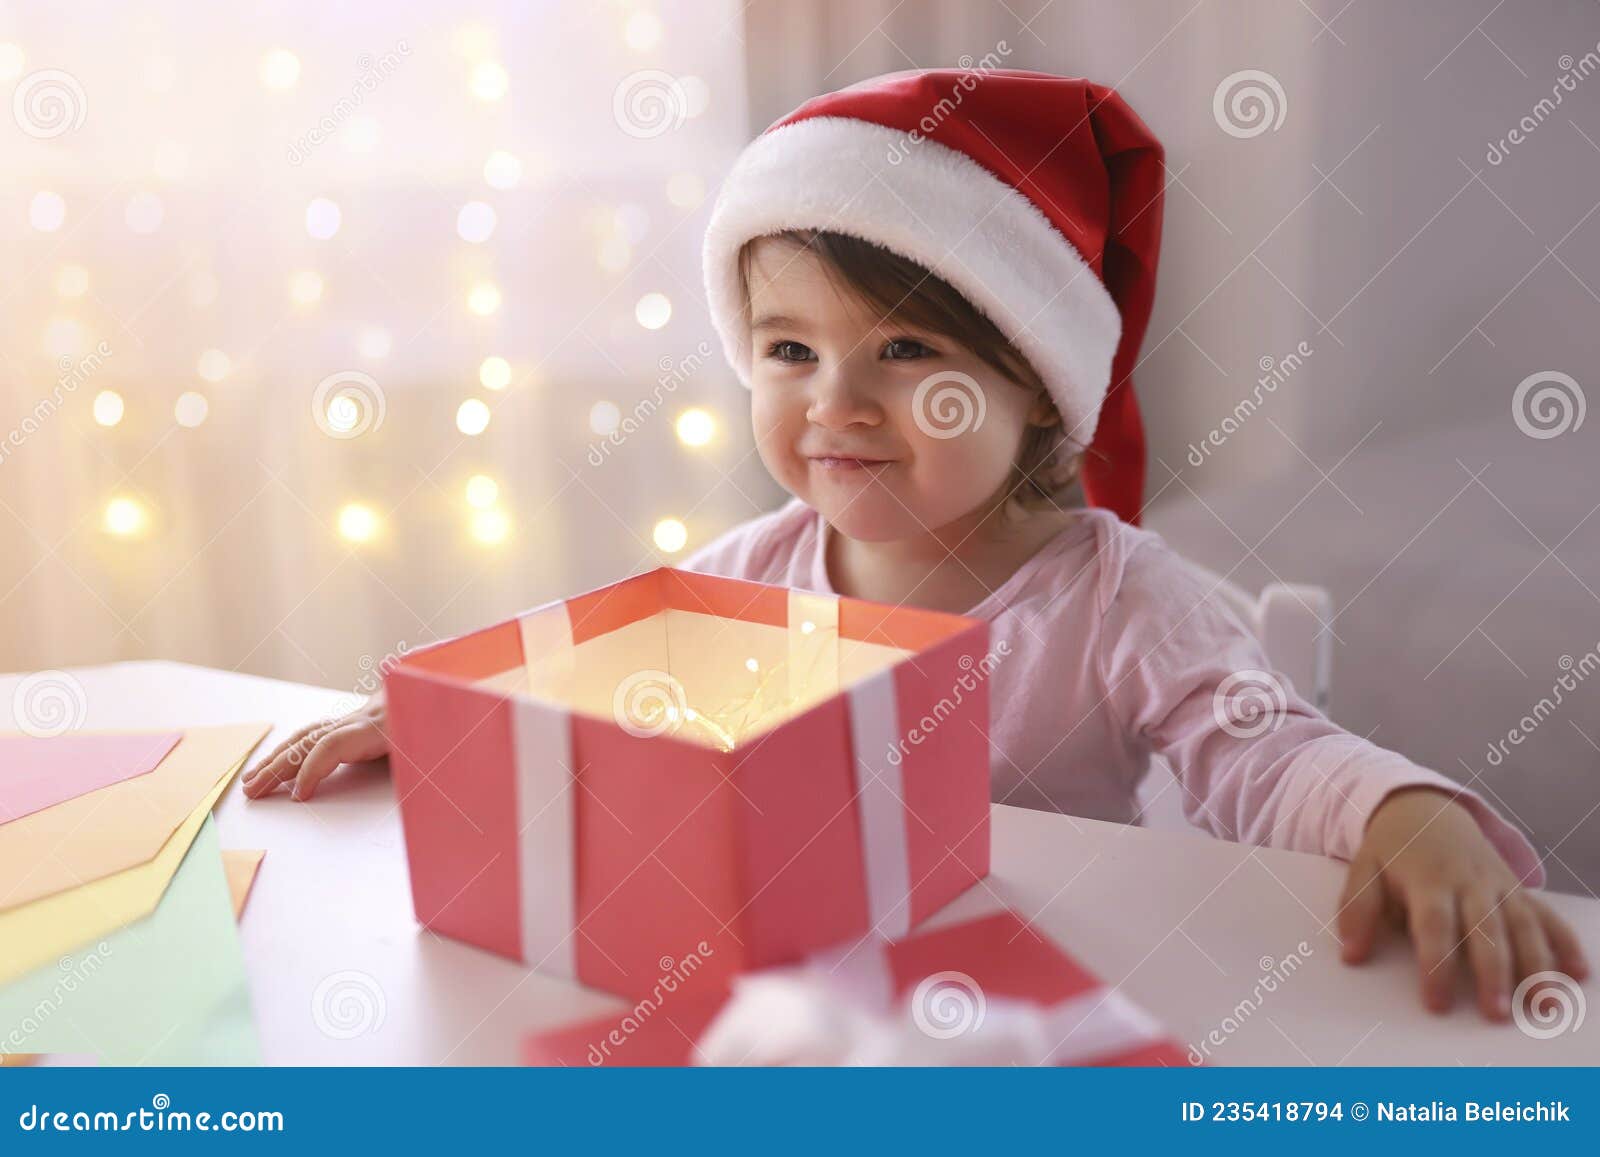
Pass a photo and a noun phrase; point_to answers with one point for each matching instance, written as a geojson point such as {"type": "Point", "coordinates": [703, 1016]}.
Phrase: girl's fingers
{"type": "Point", "coordinates": [1527, 936]}
{"type": "Point", "coordinates": [346, 744]}
{"type": "Point", "coordinates": [1361, 909]}
{"type": "Point", "coordinates": [1435, 930]}
{"type": "Point", "coordinates": [1569, 953]}
{"type": "Point", "coordinates": [305, 732]}
{"type": "Point", "coordinates": [264, 780]}
{"type": "Point", "coordinates": [1488, 952]}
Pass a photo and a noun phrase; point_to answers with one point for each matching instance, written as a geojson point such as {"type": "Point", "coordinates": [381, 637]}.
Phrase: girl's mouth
{"type": "Point", "coordinates": [852, 464]}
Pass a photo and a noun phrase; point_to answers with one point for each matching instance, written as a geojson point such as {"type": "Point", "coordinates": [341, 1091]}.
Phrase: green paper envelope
{"type": "Point", "coordinates": [167, 990]}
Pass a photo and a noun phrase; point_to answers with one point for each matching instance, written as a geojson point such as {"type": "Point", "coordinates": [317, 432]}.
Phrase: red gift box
{"type": "Point", "coordinates": [945, 982]}
{"type": "Point", "coordinates": [685, 776]}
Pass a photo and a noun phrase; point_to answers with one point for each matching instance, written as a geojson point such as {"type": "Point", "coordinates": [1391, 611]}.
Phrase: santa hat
{"type": "Point", "coordinates": [1038, 197]}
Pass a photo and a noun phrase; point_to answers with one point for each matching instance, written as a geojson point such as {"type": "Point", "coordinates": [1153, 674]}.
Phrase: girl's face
{"type": "Point", "coordinates": [888, 431]}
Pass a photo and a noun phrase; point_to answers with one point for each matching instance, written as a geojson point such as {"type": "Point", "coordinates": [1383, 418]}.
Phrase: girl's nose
{"type": "Point", "coordinates": [839, 398]}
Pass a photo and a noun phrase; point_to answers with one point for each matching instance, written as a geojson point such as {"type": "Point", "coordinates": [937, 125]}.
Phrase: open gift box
{"type": "Point", "coordinates": [684, 774]}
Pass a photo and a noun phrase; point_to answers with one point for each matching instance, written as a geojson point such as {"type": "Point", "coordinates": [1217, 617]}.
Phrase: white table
{"type": "Point", "coordinates": [1187, 925]}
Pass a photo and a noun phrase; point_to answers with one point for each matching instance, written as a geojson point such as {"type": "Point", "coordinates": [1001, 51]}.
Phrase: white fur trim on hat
{"type": "Point", "coordinates": [939, 208]}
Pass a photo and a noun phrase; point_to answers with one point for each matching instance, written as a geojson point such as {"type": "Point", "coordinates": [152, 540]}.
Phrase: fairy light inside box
{"type": "Point", "coordinates": [604, 782]}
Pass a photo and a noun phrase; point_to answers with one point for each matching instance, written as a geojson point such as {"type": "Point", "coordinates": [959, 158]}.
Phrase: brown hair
{"type": "Point", "coordinates": [1045, 473]}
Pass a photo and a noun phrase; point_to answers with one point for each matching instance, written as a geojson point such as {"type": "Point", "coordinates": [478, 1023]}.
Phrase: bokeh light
{"type": "Point", "coordinates": [482, 491]}
{"type": "Point", "coordinates": [358, 523]}
{"type": "Point", "coordinates": [696, 427]}
{"type": "Point", "coordinates": [108, 407]}
{"type": "Point", "coordinates": [190, 409]}
{"type": "Point", "coordinates": [124, 517]}
{"type": "Point", "coordinates": [653, 310]}
{"type": "Point", "coordinates": [494, 373]}
{"type": "Point", "coordinates": [472, 417]}
{"type": "Point", "coordinates": [671, 535]}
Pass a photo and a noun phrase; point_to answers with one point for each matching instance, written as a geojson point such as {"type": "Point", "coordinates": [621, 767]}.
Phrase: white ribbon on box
{"type": "Point", "coordinates": [541, 738]}
{"type": "Point", "coordinates": [547, 807]}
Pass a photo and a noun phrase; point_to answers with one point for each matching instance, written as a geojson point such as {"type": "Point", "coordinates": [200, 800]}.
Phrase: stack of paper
{"type": "Point", "coordinates": [117, 928]}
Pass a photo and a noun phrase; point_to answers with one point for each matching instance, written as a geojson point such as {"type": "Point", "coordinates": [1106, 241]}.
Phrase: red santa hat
{"type": "Point", "coordinates": [1038, 197]}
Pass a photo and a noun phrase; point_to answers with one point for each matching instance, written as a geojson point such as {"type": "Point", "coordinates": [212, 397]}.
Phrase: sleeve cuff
{"type": "Point", "coordinates": [1513, 846]}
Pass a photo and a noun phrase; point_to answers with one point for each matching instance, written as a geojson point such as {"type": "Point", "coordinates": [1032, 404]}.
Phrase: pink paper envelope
{"type": "Point", "coordinates": [36, 773]}
{"type": "Point", "coordinates": [687, 768]}
{"type": "Point", "coordinates": [999, 956]}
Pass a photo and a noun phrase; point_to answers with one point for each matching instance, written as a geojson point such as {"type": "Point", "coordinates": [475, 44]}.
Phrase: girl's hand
{"type": "Point", "coordinates": [308, 756]}
{"type": "Point", "coordinates": [1425, 863]}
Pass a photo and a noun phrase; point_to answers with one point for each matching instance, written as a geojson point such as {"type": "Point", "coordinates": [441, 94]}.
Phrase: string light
{"type": "Point", "coordinates": [475, 222]}
{"type": "Point", "coordinates": [685, 190]}
{"type": "Point", "coordinates": [305, 288]}
{"type": "Point", "coordinates": [494, 373]}
{"type": "Point", "coordinates": [143, 213]}
{"type": "Point", "coordinates": [374, 343]}
{"type": "Point", "coordinates": [72, 281]}
{"type": "Point", "coordinates": [615, 254]}
{"type": "Point", "coordinates": [11, 61]}
{"type": "Point", "coordinates": [482, 491]}
{"type": "Point", "coordinates": [671, 535]}
{"type": "Point", "coordinates": [653, 310]}
{"type": "Point", "coordinates": [642, 30]}
{"type": "Point", "coordinates": [108, 408]}
{"type": "Point", "coordinates": [47, 211]}
{"type": "Point", "coordinates": [502, 170]}
{"type": "Point", "coordinates": [696, 95]}
{"type": "Point", "coordinates": [190, 409]}
{"type": "Point", "coordinates": [490, 526]}
{"type": "Point", "coordinates": [360, 133]}
{"type": "Point", "coordinates": [472, 417]}
{"type": "Point", "coordinates": [484, 299]}
{"type": "Point", "coordinates": [696, 427]}
{"type": "Point", "coordinates": [489, 81]}
{"type": "Point", "coordinates": [64, 338]}
{"type": "Point", "coordinates": [280, 69]}
{"type": "Point", "coordinates": [124, 517]}
{"type": "Point", "coordinates": [170, 161]}
{"type": "Point", "coordinates": [214, 365]}
{"type": "Point", "coordinates": [357, 523]}
{"type": "Point", "coordinates": [323, 218]}
{"type": "Point", "coordinates": [604, 418]}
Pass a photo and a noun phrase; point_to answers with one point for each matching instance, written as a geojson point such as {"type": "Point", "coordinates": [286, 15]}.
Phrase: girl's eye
{"type": "Point", "coordinates": [789, 351]}
{"type": "Point", "coordinates": [906, 349]}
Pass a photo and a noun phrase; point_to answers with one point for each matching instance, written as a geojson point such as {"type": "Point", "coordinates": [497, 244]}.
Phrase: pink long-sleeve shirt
{"type": "Point", "coordinates": [1115, 652]}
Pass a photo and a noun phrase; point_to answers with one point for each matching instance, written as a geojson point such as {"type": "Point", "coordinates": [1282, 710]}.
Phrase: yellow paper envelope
{"type": "Point", "coordinates": [46, 929]}
{"type": "Point", "coordinates": [241, 871]}
{"type": "Point", "coordinates": [116, 827]}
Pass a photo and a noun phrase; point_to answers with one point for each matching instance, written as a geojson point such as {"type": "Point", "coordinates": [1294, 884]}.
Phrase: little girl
{"type": "Point", "coordinates": [935, 285]}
